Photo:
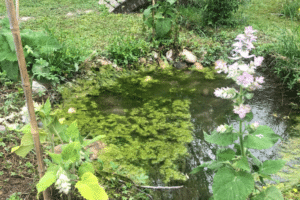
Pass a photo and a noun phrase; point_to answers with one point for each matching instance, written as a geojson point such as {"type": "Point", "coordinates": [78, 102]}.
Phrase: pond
{"type": "Point", "coordinates": [149, 117]}
{"type": "Point", "coordinates": [269, 106]}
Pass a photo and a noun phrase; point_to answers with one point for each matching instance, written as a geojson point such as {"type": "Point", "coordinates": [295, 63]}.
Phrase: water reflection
{"type": "Point", "coordinates": [207, 113]}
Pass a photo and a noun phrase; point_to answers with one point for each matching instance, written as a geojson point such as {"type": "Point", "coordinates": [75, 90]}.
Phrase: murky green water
{"type": "Point", "coordinates": [206, 112]}
{"type": "Point", "coordinates": [269, 106]}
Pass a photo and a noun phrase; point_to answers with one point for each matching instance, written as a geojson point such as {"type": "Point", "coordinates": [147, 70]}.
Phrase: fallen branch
{"type": "Point", "coordinates": [162, 187]}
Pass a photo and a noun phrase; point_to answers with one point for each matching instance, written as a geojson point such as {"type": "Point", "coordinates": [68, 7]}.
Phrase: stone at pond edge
{"type": "Point", "coordinates": [95, 148]}
{"type": "Point", "coordinates": [189, 56]}
{"type": "Point", "coordinates": [142, 61]}
{"type": "Point", "coordinates": [180, 65]}
{"type": "Point", "coordinates": [169, 55]}
{"type": "Point", "coordinates": [37, 87]}
{"type": "Point", "coordinates": [198, 66]}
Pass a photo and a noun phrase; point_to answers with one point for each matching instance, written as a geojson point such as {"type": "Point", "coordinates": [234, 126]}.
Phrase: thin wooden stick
{"type": "Point", "coordinates": [17, 10]}
{"type": "Point", "coordinates": [14, 26]}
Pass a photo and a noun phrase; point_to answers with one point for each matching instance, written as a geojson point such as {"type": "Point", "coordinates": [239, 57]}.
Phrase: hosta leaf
{"type": "Point", "coordinates": [271, 166]}
{"type": "Point", "coordinates": [263, 138]}
{"type": "Point", "coordinates": [85, 167]}
{"type": "Point", "coordinates": [271, 193]}
{"type": "Point", "coordinates": [89, 188]}
{"type": "Point", "coordinates": [229, 184]}
{"type": "Point", "coordinates": [48, 179]}
{"type": "Point", "coordinates": [222, 139]}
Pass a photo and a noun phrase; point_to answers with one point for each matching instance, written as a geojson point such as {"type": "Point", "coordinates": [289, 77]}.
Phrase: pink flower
{"type": "Point", "coordinates": [249, 30]}
{"type": "Point", "coordinates": [245, 80]}
{"type": "Point", "coordinates": [260, 79]}
{"type": "Point", "coordinates": [258, 60]}
{"type": "Point", "coordinates": [220, 64]}
{"type": "Point", "coordinates": [240, 37]}
{"type": "Point", "coordinates": [242, 110]}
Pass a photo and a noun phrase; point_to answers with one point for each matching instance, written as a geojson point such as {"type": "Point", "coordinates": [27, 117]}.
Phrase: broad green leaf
{"type": "Point", "coordinates": [48, 179]}
{"type": "Point", "coordinates": [72, 132]}
{"type": "Point", "coordinates": [249, 95]}
{"type": "Point", "coordinates": [27, 143]}
{"type": "Point", "coordinates": [248, 117]}
{"type": "Point", "coordinates": [263, 138]}
{"type": "Point", "coordinates": [243, 164]}
{"type": "Point", "coordinates": [86, 167]}
{"type": "Point", "coordinates": [88, 142]}
{"type": "Point", "coordinates": [229, 184]}
{"type": "Point", "coordinates": [271, 166]}
{"type": "Point", "coordinates": [222, 139]}
{"type": "Point", "coordinates": [71, 153]}
{"type": "Point", "coordinates": [148, 12]}
{"type": "Point", "coordinates": [22, 151]}
{"type": "Point", "coordinates": [271, 193]}
{"type": "Point", "coordinates": [225, 154]}
{"type": "Point", "coordinates": [89, 187]}
{"type": "Point", "coordinates": [210, 165]}
{"type": "Point", "coordinates": [56, 158]}
{"type": "Point", "coordinates": [47, 107]}
{"type": "Point", "coordinates": [163, 26]}
{"type": "Point", "coordinates": [58, 129]}
{"type": "Point", "coordinates": [171, 1]}
{"type": "Point", "coordinates": [254, 159]}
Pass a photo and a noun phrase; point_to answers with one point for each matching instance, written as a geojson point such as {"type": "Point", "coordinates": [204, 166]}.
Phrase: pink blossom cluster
{"type": "Point", "coordinates": [242, 110]}
{"type": "Point", "coordinates": [225, 93]}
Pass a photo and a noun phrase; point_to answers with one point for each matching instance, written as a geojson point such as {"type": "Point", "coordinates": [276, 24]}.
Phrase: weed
{"type": "Point", "coordinates": [291, 8]}
{"type": "Point", "coordinates": [15, 196]}
{"type": "Point", "coordinates": [127, 50]}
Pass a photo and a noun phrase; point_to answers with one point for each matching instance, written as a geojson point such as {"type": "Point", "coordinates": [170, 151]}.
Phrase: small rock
{"type": "Point", "coordinates": [155, 55]}
{"type": "Point", "coordinates": [38, 88]}
{"type": "Point", "coordinates": [40, 124]}
{"type": "Point", "coordinates": [180, 65]}
{"type": "Point", "coordinates": [69, 14]}
{"type": "Point", "coordinates": [198, 66]}
{"type": "Point", "coordinates": [189, 56]}
{"type": "Point", "coordinates": [169, 55]}
{"type": "Point", "coordinates": [25, 18]}
{"type": "Point", "coordinates": [2, 128]}
{"type": "Point", "coordinates": [103, 62]}
{"type": "Point", "coordinates": [142, 60]}
{"type": "Point", "coordinates": [88, 11]}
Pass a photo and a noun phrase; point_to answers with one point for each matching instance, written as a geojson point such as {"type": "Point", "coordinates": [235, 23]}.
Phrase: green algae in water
{"type": "Point", "coordinates": [147, 121]}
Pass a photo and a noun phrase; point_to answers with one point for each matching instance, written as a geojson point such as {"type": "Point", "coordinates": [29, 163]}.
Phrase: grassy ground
{"type": "Point", "coordinates": [97, 29]}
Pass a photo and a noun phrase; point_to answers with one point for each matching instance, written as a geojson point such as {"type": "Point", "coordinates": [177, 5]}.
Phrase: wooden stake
{"type": "Point", "coordinates": [14, 27]}
{"type": "Point", "coordinates": [17, 10]}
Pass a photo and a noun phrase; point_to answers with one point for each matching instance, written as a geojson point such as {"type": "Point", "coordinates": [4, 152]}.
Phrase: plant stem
{"type": "Point", "coordinates": [241, 139]}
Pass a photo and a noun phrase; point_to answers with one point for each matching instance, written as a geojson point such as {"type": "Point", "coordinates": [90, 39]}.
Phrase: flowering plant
{"type": "Point", "coordinates": [237, 168]}
{"type": "Point", "coordinates": [73, 165]}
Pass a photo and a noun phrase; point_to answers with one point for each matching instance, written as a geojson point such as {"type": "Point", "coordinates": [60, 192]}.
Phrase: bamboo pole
{"type": "Point", "coordinates": [14, 27]}
{"type": "Point", "coordinates": [17, 10]}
